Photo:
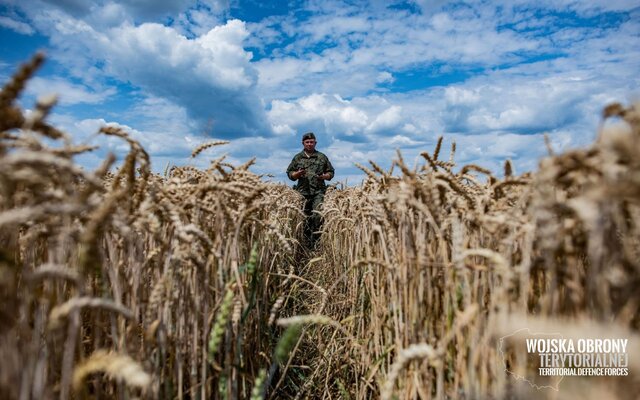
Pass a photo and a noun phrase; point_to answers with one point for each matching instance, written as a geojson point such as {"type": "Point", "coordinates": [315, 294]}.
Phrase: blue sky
{"type": "Point", "coordinates": [368, 77]}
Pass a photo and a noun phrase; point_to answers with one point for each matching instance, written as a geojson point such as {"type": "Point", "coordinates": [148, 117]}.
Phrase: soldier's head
{"type": "Point", "coordinates": [309, 142]}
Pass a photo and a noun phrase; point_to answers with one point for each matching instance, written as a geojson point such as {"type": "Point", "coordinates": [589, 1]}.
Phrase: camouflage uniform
{"type": "Point", "coordinates": [311, 187]}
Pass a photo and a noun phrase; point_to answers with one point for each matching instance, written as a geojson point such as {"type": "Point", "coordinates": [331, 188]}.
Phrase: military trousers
{"type": "Point", "coordinates": [313, 222]}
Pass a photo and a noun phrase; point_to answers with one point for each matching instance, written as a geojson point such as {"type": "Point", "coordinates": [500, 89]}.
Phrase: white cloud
{"type": "Point", "coordinates": [162, 143]}
{"type": "Point", "coordinates": [140, 10]}
{"type": "Point", "coordinates": [581, 7]}
{"type": "Point", "coordinates": [387, 120]}
{"type": "Point", "coordinates": [385, 77]}
{"type": "Point", "coordinates": [210, 76]}
{"type": "Point", "coordinates": [516, 69]}
{"type": "Point", "coordinates": [159, 114]}
{"type": "Point", "coordinates": [509, 101]}
{"type": "Point", "coordinates": [274, 72]}
{"type": "Point", "coordinates": [323, 113]}
{"type": "Point", "coordinates": [18, 26]}
{"type": "Point", "coordinates": [331, 26]}
{"type": "Point", "coordinates": [351, 55]}
{"type": "Point", "coordinates": [68, 93]}
{"type": "Point", "coordinates": [109, 15]}
{"type": "Point", "coordinates": [197, 22]}
{"type": "Point", "coordinates": [461, 96]}
{"type": "Point", "coordinates": [215, 59]}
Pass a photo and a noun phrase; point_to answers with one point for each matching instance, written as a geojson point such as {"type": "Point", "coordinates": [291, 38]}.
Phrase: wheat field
{"type": "Point", "coordinates": [193, 284]}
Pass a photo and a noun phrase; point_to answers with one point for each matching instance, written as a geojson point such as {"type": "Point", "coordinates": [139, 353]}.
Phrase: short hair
{"type": "Point", "coordinates": [308, 135]}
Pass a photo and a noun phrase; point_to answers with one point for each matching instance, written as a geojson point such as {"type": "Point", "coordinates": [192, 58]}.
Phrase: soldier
{"type": "Point", "coordinates": [311, 168]}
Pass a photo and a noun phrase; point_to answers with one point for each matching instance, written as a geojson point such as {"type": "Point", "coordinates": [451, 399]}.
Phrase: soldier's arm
{"type": "Point", "coordinates": [293, 170]}
{"type": "Point", "coordinates": [328, 169]}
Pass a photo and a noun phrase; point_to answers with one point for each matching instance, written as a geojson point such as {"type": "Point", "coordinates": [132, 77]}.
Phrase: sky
{"type": "Point", "coordinates": [369, 78]}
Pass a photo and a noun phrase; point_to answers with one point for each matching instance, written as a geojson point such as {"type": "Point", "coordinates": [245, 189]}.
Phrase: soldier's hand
{"type": "Point", "coordinates": [299, 173]}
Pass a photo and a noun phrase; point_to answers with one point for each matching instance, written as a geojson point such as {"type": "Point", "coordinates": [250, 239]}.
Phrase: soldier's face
{"type": "Point", "coordinates": [309, 145]}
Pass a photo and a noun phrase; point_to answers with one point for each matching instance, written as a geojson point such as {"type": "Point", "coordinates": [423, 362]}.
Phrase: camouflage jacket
{"type": "Point", "coordinates": [315, 164]}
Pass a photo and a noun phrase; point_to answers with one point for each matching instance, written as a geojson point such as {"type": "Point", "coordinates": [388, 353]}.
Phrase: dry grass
{"type": "Point", "coordinates": [192, 284]}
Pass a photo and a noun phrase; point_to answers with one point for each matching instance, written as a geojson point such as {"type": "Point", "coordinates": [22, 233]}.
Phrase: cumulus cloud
{"type": "Point", "coordinates": [529, 102]}
{"type": "Point", "coordinates": [356, 120]}
{"type": "Point", "coordinates": [325, 114]}
{"type": "Point", "coordinates": [215, 59]}
{"type": "Point", "coordinates": [210, 76]}
{"type": "Point", "coordinates": [389, 119]}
